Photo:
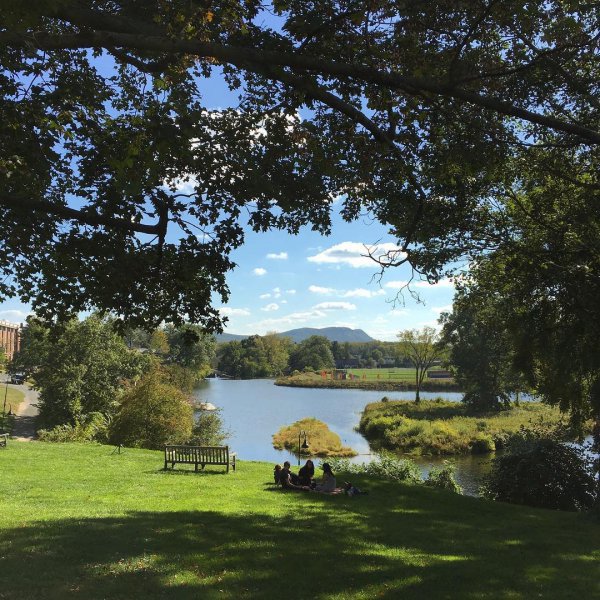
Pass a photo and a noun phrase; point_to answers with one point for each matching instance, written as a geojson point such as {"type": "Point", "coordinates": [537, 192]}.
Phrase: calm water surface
{"type": "Point", "coordinates": [253, 410]}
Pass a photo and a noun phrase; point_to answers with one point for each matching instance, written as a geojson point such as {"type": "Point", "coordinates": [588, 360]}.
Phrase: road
{"type": "Point", "coordinates": [24, 428]}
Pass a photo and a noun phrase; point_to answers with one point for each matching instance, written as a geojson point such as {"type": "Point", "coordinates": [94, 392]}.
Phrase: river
{"type": "Point", "coordinates": [253, 410]}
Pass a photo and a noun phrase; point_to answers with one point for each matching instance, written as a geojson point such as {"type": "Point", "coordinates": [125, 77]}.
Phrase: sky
{"type": "Point", "coordinates": [284, 282]}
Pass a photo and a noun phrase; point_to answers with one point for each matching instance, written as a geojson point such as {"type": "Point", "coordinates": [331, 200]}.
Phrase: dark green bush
{"type": "Point", "coordinates": [542, 472]}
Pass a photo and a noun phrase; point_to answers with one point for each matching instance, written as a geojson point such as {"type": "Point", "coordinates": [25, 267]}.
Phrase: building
{"type": "Point", "coordinates": [10, 338]}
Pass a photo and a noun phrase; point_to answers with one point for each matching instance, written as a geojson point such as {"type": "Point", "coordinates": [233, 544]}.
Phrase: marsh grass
{"type": "Point", "coordinates": [323, 442]}
{"type": "Point", "coordinates": [439, 427]}
{"type": "Point", "coordinates": [81, 521]}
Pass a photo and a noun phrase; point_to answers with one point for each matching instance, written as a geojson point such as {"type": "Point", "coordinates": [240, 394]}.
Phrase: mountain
{"type": "Point", "coordinates": [333, 334]}
{"type": "Point", "coordinates": [229, 337]}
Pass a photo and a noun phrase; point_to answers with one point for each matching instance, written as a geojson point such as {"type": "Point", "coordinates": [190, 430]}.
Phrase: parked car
{"type": "Point", "coordinates": [17, 378]}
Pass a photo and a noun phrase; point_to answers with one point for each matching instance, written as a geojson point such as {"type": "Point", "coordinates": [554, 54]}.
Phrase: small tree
{"type": "Point", "coordinates": [422, 349]}
{"type": "Point", "coordinates": [209, 429]}
{"type": "Point", "coordinates": [152, 414]}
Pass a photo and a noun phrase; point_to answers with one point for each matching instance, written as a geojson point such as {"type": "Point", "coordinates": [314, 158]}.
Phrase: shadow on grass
{"type": "Point", "coordinates": [324, 547]}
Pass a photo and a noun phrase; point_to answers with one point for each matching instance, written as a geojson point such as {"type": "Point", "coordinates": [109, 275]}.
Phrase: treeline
{"type": "Point", "coordinates": [272, 355]}
{"type": "Point", "coordinates": [132, 388]}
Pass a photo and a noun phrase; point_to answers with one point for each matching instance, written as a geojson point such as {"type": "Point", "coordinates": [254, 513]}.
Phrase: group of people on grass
{"type": "Point", "coordinates": [304, 480]}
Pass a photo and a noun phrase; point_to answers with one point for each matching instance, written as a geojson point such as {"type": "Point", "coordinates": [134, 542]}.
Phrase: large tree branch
{"type": "Point", "coordinates": [85, 217]}
{"type": "Point", "coordinates": [244, 57]}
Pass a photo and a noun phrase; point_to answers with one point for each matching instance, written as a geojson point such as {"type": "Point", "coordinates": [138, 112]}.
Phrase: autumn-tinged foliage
{"type": "Point", "coordinates": [320, 439]}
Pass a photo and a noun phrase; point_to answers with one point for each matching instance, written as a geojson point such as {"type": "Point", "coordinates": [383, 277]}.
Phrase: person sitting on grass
{"type": "Point", "coordinates": [306, 473]}
{"type": "Point", "coordinates": [328, 483]}
{"type": "Point", "coordinates": [289, 480]}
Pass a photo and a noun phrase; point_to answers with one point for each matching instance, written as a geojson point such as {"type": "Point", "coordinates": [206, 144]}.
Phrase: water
{"type": "Point", "coordinates": [253, 410]}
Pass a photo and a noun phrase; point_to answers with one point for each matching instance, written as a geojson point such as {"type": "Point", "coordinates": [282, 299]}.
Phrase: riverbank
{"type": "Point", "coordinates": [312, 380]}
{"type": "Point", "coordinates": [127, 529]}
{"type": "Point", "coordinates": [445, 428]}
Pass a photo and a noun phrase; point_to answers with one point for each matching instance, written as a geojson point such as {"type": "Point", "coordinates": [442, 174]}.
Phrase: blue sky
{"type": "Point", "coordinates": [284, 282]}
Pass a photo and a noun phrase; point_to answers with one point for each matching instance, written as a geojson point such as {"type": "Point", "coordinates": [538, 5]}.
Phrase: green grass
{"type": "Point", "coordinates": [393, 374]}
{"type": "Point", "coordinates": [80, 521]}
{"type": "Point", "coordinates": [395, 380]}
{"type": "Point", "coordinates": [441, 427]}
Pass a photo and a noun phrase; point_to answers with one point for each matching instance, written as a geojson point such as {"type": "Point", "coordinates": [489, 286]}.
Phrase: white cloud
{"type": "Point", "coordinates": [279, 256]}
{"type": "Point", "coordinates": [287, 321]}
{"type": "Point", "coordinates": [291, 292]}
{"type": "Point", "coordinates": [396, 285]}
{"type": "Point", "coordinates": [276, 293]}
{"type": "Point", "coordinates": [356, 254]}
{"type": "Point", "coordinates": [14, 315]}
{"type": "Point", "coordinates": [362, 293]}
{"type": "Point", "coordinates": [260, 271]}
{"type": "Point", "coordinates": [270, 307]}
{"type": "Point", "coordinates": [234, 312]}
{"type": "Point", "coordinates": [315, 289]}
{"type": "Point", "coordinates": [264, 296]}
{"type": "Point", "coordinates": [335, 306]}
{"type": "Point", "coordinates": [440, 309]}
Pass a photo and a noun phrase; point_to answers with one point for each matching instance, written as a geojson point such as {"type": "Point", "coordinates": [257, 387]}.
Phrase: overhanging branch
{"type": "Point", "coordinates": [243, 57]}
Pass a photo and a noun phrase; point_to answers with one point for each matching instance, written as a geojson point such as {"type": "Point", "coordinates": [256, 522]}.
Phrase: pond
{"type": "Point", "coordinates": [253, 410]}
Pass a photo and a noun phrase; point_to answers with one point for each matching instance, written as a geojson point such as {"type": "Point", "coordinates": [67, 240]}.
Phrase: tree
{"type": "Point", "coordinates": [410, 111]}
{"type": "Point", "coordinates": [312, 353]}
{"type": "Point", "coordinates": [152, 414]}
{"type": "Point", "coordinates": [255, 356]}
{"type": "Point", "coordinates": [422, 349]}
{"type": "Point", "coordinates": [191, 347]}
{"type": "Point", "coordinates": [78, 367]}
{"type": "Point", "coordinates": [480, 350]}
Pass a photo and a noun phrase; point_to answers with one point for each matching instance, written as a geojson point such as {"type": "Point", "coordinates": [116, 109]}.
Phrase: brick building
{"type": "Point", "coordinates": [10, 338]}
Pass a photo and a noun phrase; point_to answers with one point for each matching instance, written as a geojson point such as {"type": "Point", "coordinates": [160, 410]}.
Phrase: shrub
{"type": "Point", "coordinates": [208, 429]}
{"type": "Point", "coordinates": [482, 444]}
{"type": "Point", "coordinates": [443, 478]}
{"type": "Point", "coordinates": [385, 466]}
{"type": "Point", "coordinates": [90, 427]}
{"type": "Point", "coordinates": [152, 414]}
{"type": "Point", "coordinates": [542, 472]}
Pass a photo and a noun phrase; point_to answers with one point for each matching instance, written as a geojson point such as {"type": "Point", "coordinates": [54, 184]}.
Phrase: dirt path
{"type": "Point", "coordinates": [24, 428]}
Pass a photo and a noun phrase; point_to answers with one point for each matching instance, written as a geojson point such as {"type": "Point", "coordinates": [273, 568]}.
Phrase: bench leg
{"type": "Point", "coordinates": [165, 466]}
{"type": "Point", "coordinates": [196, 467]}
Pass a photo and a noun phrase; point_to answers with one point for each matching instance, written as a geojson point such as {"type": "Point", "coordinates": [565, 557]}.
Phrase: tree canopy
{"type": "Point", "coordinates": [122, 189]}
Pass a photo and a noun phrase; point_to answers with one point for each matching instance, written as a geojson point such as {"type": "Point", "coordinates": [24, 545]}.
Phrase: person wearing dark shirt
{"type": "Point", "coordinates": [306, 473]}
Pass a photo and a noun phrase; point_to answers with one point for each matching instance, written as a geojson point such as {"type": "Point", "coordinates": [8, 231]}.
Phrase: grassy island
{"type": "Point", "coordinates": [81, 521]}
{"type": "Point", "coordinates": [402, 380]}
{"type": "Point", "coordinates": [322, 441]}
{"type": "Point", "coordinates": [440, 427]}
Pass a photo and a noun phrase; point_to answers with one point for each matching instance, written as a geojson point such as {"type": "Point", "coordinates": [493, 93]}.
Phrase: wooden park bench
{"type": "Point", "coordinates": [3, 440]}
{"type": "Point", "coordinates": [199, 455]}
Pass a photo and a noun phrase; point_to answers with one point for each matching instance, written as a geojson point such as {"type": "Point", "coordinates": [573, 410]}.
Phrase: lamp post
{"type": "Point", "coordinates": [304, 445]}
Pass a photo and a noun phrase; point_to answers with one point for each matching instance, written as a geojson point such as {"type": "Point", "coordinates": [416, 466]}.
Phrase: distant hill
{"type": "Point", "coordinates": [229, 337]}
{"type": "Point", "coordinates": [333, 334]}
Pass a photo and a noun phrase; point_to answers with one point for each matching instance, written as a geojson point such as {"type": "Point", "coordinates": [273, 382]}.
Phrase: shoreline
{"type": "Point", "coordinates": [374, 386]}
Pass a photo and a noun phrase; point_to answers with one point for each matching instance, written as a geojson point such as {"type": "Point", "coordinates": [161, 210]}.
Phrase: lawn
{"type": "Point", "coordinates": [85, 522]}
